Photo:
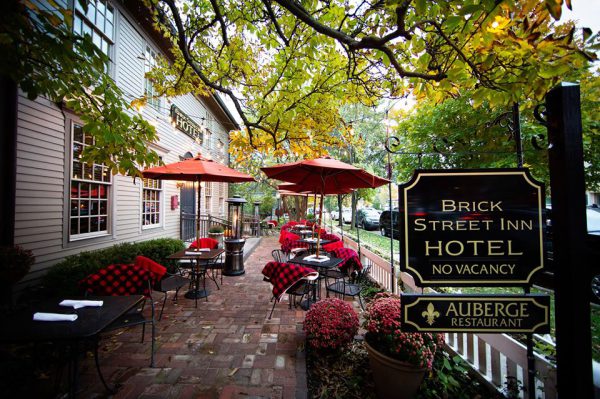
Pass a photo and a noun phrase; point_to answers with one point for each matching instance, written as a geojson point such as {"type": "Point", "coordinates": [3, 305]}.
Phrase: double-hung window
{"type": "Point", "coordinates": [152, 97]}
{"type": "Point", "coordinates": [89, 191]}
{"type": "Point", "coordinates": [98, 22]}
{"type": "Point", "coordinates": [208, 190]}
{"type": "Point", "coordinates": [151, 202]}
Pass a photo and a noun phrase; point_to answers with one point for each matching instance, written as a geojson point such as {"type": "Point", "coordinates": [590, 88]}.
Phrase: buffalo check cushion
{"type": "Point", "coordinates": [119, 279]}
{"type": "Point", "coordinates": [283, 275]}
{"type": "Point", "coordinates": [350, 259]}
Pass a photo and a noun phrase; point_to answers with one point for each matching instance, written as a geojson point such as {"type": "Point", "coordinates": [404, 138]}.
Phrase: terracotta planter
{"type": "Point", "coordinates": [394, 379]}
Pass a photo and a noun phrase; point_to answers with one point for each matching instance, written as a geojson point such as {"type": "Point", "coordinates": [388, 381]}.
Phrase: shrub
{"type": "Point", "coordinates": [216, 228]}
{"type": "Point", "coordinates": [330, 324]}
{"type": "Point", "coordinates": [62, 278]}
{"type": "Point", "coordinates": [15, 262]}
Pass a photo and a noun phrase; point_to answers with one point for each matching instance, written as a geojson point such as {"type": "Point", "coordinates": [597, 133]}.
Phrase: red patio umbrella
{"type": "Point", "coordinates": [197, 169]}
{"type": "Point", "coordinates": [324, 175]}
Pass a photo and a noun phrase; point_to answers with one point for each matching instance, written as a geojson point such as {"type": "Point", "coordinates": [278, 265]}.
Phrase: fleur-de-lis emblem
{"type": "Point", "coordinates": [430, 314]}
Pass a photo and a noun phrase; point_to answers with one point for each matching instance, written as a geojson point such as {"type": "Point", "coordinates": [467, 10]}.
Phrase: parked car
{"type": "Point", "coordinates": [385, 223]}
{"type": "Point", "coordinates": [367, 218]}
{"type": "Point", "coordinates": [347, 215]}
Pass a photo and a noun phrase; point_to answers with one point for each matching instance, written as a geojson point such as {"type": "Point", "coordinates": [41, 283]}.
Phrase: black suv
{"type": "Point", "coordinates": [385, 223]}
{"type": "Point", "coordinates": [367, 218]}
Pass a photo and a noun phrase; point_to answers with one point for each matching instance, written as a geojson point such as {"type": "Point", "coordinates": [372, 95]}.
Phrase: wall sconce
{"type": "Point", "coordinates": [179, 184]}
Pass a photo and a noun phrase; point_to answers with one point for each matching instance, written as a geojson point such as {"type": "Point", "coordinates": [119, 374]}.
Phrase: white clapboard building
{"type": "Point", "coordinates": [63, 207]}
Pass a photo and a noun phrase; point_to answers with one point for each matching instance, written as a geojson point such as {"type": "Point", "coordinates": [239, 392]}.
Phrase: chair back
{"type": "Point", "coordinates": [119, 279]}
{"type": "Point", "coordinates": [279, 255]}
{"type": "Point", "coordinates": [350, 262]}
{"type": "Point", "coordinates": [205, 242]}
{"type": "Point", "coordinates": [152, 266]}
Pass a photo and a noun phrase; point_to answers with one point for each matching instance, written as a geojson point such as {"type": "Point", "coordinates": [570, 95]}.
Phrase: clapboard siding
{"type": "Point", "coordinates": [43, 162]}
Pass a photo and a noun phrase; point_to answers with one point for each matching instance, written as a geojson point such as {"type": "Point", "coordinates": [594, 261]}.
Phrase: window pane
{"type": "Point", "coordinates": [95, 207]}
{"type": "Point", "coordinates": [78, 133]}
{"type": "Point", "coordinates": [103, 192]}
{"type": "Point", "coordinates": [108, 30]}
{"type": "Point", "coordinates": [97, 173]}
{"type": "Point", "coordinates": [74, 226]}
{"type": "Point", "coordinates": [84, 225]}
{"type": "Point", "coordinates": [84, 191]}
{"type": "Point", "coordinates": [103, 207]}
{"type": "Point", "coordinates": [94, 225]}
{"type": "Point", "coordinates": [102, 223]}
{"type": "Point", "coordinates": [77, 170]}
{"type": "Point", "coordinates": [74, 208]}
{"type": "Point", "coordinates": [74, 190]}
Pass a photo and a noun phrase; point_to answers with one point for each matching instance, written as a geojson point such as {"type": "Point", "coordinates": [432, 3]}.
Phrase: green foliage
{"type": "Point", "coordinates": [216, 228]}
{"type": "Point", "coordinates": [43, 55]}
{"type": "Point", "coordinates": [15, 262]}
{"type": "Point", "coordinates": [451, 378]}
{"type": "Point", "coordinates": [290, 66]}
{"type": "Point", "coordinates": [63, 277]}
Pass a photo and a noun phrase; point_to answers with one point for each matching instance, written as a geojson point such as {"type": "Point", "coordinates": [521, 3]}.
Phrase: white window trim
{"type": "Point", "coordinates": [161, 205]}
{"type": "Point", "coordinates": [110, 199]}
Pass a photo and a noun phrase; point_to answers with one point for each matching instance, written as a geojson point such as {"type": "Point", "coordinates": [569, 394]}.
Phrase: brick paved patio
{"type": "Point", "coordinates": [226, 348]}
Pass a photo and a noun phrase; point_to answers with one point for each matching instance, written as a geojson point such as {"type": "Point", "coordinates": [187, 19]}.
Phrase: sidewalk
{"type": "Point", "coordinates": [226, 348]}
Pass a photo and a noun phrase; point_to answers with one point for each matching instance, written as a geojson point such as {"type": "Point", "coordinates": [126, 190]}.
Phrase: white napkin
{"type": "Point", "coordinates": [76, 304]}
{"type": "Point", "coordinates": [196, 251]}
{"type": "Point", "coordinates": [313, 258]}
{"type": "Point", "coordinates": [54, 317]}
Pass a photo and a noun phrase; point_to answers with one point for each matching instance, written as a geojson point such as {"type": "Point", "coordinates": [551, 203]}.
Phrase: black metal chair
{"type": "Point", "coordinates": [345, 285]}
{"type": "Point", "coordinates": [123, 279]}
{"type": "Point", "coordinates": [279, 255]}
{"type": "Point", "coordinates": [168, 282]}
{"type": "Point", "coordinates": [214, 268]}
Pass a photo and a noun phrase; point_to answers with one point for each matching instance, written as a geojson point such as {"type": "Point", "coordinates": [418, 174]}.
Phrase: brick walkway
{"type": "Point", "coordinates": [226, 348]}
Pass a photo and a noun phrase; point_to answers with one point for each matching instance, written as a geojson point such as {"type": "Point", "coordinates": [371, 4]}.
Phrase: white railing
{"type": "Point", "coordinates": [496, 357]}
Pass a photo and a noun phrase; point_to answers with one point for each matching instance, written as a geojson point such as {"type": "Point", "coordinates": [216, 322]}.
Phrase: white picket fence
{"type": "Point", "coordinates": [494, 356]}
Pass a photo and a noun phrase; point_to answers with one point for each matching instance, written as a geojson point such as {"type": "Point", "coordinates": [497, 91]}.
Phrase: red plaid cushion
{"type": "Point", "coordinates": [331, 237]}
{"type": "Point", "coordinates": [283, 275]}
{"type": "Point", "coordinates": [333, 245]}
{"type": "Point", "coordinates": [205, 243]}
{"type": "Point", "coordinates": [148, 264]}
{"type": "Point", "coordinates": [350, 258]}
{"type": "Point", "coordinates": [118, 279]}
{"type": "Point", "coordinates": [291, 243]}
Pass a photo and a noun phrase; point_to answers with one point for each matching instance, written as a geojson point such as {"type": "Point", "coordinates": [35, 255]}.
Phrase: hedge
{"type": "Point", "coordinates": [62, 278]}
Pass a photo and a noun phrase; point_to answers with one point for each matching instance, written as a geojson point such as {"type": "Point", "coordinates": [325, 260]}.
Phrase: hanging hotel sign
{"type": "Point", "coordinates": [186, 124]}
{"type": "Point", "coordinates": [465, 227]}
{"type": "Point", "coordinates": [472, 313]}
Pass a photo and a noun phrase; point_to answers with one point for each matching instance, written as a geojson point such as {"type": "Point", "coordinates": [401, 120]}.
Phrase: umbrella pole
{"type": "Point", "coordinates": [320, 220]}
{"type": "Point", "coordinates": [199, 190]}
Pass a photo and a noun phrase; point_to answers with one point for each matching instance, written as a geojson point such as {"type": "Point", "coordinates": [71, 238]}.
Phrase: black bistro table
{"type": "Point", "coordinates": [199, 262]}
{"type": "Point", "coordinates": [91, 321]}
{"type": "Point", "coordinates": [312, 243]}
{"type": "Point", "coordinates": [321, 266]}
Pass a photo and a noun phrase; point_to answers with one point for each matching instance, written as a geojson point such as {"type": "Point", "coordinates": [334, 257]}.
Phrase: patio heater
{"type": "Point", "coordinates": [234, 243]}
{"type": "Point", "coordinates": [257, 217]}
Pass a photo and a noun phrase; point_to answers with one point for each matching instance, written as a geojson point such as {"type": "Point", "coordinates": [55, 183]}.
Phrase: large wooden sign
{"type": "Point", "coordinates": [476, 313]}
{"type": "Point", "coordinates": [467, 227]}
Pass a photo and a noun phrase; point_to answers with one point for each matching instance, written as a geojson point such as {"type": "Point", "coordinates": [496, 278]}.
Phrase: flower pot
{"type": "Point", "coordinates": [218, 237]}
{"type": "Point", "coordinates": [394, 379]}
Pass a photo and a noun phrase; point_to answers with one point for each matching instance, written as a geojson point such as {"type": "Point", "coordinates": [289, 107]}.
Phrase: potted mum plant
{"type": "Point", "coordinates": [216, 232]}
{"type": "Point", "coordinates": [399, 360]}
{"type": "Point", "coordinates": [330, 325]}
